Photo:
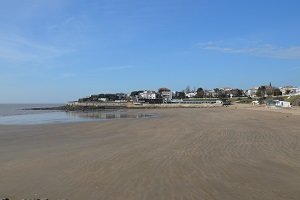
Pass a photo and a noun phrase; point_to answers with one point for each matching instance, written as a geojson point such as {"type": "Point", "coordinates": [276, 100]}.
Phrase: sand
{"type": "Point", "coordinates": [209, 153]}
{"type": "Point", "coordinates": [292, 110]}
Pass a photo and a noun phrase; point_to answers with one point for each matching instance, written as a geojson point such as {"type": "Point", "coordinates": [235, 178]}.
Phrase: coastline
{"type": "Point", "coordinates": [129, 106]}
{"type": "Point", "coordinates": [111, 106]}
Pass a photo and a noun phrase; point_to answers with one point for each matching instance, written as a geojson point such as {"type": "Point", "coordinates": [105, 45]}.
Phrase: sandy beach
{"type": "Point", "coordinates": [182, 154]}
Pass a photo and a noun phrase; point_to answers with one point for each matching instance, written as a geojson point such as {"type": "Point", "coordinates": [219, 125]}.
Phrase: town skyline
{"type": "Point", "coordinates": [198, 92]}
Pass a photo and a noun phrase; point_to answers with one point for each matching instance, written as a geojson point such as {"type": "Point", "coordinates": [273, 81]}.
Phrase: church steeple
{"type": "Point", "coordinates": [270, 84]}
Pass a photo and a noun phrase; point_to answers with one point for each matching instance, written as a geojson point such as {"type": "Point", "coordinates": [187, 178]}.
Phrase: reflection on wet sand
{"type": "Point", "coordinates": [67, 117]}
{"type": "Point", "coordinates": [108, 115]}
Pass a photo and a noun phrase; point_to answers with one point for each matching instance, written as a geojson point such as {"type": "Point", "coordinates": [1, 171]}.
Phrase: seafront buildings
{"type": "Point", "coordinates": [290, 90]}
{"type": "Point", "coordinates": [201, 96]}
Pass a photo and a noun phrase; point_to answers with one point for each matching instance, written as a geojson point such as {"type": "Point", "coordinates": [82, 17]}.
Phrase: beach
{"type": "Point", "coordinates": [220, 153]}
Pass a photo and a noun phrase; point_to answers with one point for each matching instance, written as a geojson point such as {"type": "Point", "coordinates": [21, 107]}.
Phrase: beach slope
{"type": "Point", "coordinates": [209, 153]}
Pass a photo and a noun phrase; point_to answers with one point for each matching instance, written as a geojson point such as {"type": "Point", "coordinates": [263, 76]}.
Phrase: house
{"type": "Point", "coordinates": [102, 99]}
{"type": "Point", "coordinates": [251, 92]}
{"type": "Point", "coordinates": [234, 93]}
{"type": "Point", "coordinates": [121, 96]}
{"type": "Point", "coordinates": [269, 90]}
{"type": "Point", "coordinates": [226, 89]}
{"type": "Point", "coordinates": [190, 94]}
{"type": "Point", "coordinates": [210, 93]}
{"type": "Point", "coordinates": [278, 103]}
{"type": "Point", "coordinates": [166, 94]}
{"type": "Point", "coordinates": [290, 90]}
{"type": "Point", "coordinates": [147, 94]}
{"type": "Point", "coordinates": [283, 104]}
{"type": "Point", "coordinates": [179, 95]}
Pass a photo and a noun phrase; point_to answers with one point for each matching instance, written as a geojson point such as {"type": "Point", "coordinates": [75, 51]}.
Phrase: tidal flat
{"type": "Point", "coordinates": [208, 153]}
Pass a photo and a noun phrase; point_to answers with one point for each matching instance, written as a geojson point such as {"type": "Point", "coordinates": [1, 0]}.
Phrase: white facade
{"type": "Point", "coordinates": [147, 95]}
{"type": "Point", "coordinates": [166, 95]}
{"type": "Point", "coordinates": [190, 94]}
{"type": "Point", "coordinates": [289, 90]}
{"type": "Point", "coordinates": [219, 102]}
{"type": "Point", "coordinates": [102, 99]}
{"type": "Point", "coordinates": [210, 93]}
{"type": "Point", "coordinates": [226, 89]}
{"type": "Point", "coordinates": [251, 92]}
{"type": "Point", "coordinates": [283, 104]}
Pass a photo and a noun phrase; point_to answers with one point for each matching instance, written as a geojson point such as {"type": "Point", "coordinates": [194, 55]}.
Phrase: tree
{"type": "Point", "coordinates": [220, 93]}
{"type": "Point", "coordinates": [180, 95]}
{"type": "Point", "coordinates": [261, 92]}
{"type": "Point", "coordinates": [194, 89]}
{"type": "Point", "coordinates": [277, 92]}
{"type": "Point", "coordinates": [134, 93]}
{"type": "Point", "coordinates": [269, 91]}
{"type": "Point", "coordinates": [240, 92]}
{"type": "Point", "coordinates": [200, 93]}
{"type": "Point", "coordinates": [188, 89]}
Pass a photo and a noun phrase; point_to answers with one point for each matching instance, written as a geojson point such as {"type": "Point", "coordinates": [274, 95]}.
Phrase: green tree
{"type": "Point", "coordinates": [180, 95]}
{"type": "Point", "coordinates": [277, 92]}
{"type": "Point", "coordinates": [134, 93]}
{"type": "Point", "coordinates": [200, 93]}
{"type": "Point", "coordinates": [188, 89]}
{"type": "Point", "coordinates": [261, 92]}
{"type": "Point", "coordinates": [220, 93]}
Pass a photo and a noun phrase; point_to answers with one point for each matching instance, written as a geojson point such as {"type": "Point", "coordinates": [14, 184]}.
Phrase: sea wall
{"type": "Point", "coordinates": [136, 106]}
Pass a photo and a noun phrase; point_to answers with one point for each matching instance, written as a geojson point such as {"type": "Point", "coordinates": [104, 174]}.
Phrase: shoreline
{"type": "Point", "coordinates": [116, 106]}
{"type": "Point", "coordinates": [130, 106]}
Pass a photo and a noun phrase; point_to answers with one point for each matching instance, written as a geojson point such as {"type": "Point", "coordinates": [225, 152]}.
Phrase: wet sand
{"type": "Point", "coordinates": [209, 153]}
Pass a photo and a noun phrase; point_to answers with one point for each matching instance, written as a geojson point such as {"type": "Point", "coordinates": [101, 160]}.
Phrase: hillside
{"type": "Point", "coordinates": [294, 100]}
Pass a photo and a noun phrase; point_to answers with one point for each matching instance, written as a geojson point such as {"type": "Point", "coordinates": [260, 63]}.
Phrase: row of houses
{"type": "Point", "coordinates": [269, 90]}
{"type": "Point", "coordinates": [165, 95]}
{"type": "Point", "coordinates": [290, 90]}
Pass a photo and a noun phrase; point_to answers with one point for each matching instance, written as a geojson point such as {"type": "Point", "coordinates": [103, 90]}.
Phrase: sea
{"type": "Point", "coordinates": [20, 114]}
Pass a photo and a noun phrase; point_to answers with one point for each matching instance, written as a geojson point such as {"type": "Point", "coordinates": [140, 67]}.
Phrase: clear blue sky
{"type": "Point", "coordinates": [60, 50]}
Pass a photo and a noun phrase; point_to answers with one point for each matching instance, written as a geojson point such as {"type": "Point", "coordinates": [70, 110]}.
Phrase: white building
{"type": "Point", "coordinates": [102, 99]}
{"type": "Point", "coordinates": [283, 104]}
{"type": "Point", "coordinates": [166, 95]}
{"type": "Point", "coordinates": [251, 92]}
{"type": "Point", "coordinates": [226, 89]}
{"type": "Point", "coordinates": [210, 93]}
{"type": "Point", "coordinates": [147, 95]}
{"type": "Point", "coordinates": [290, 90]}
{"type": "Point", "coordinates": [277, 103]}
{"type": "Point", "coordinates": [190, 94]}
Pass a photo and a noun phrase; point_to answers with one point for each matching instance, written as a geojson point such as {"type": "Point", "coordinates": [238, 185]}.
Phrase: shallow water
{"type": "Point", "coordinates": [49, 117]}
{"type": "Point", "coordinates": [21, 109]}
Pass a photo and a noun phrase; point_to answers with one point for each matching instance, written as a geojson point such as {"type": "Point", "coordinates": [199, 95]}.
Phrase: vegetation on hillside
{"type": "Point", "coordinates": [294, 100]}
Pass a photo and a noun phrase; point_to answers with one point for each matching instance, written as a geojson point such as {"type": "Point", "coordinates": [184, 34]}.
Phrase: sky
{"type": "Point", "coordinates": [54, 51]}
